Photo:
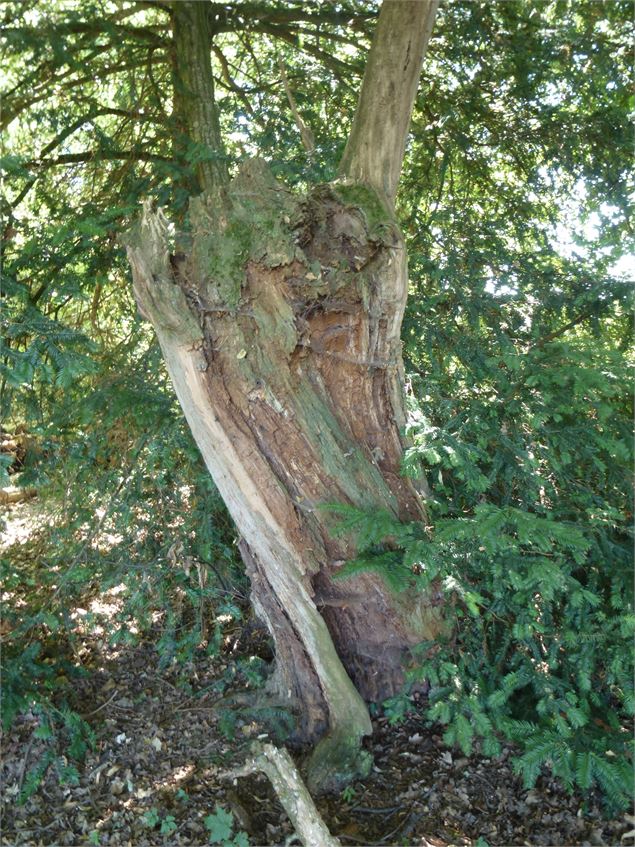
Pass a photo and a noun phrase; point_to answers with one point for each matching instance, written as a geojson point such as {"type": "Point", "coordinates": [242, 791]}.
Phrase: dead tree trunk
{"type": "Point", "coordinates": [280, 331]}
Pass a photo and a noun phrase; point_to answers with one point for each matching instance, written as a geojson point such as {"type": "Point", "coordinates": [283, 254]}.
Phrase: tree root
{"type": "Point", "coordinates": [290, 789]}
{"type": "Point", "coordinates": [337, 760]}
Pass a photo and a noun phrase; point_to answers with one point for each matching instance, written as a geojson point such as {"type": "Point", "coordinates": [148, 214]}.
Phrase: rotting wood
{"type": "Point", "coordinates": [11, 495]}
{"type": "Point", "coordinates": [285, 429]}
{"type": "Point", "coordinates": [279, 318]}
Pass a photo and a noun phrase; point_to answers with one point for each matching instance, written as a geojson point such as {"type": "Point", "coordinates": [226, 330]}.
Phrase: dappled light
{"type": "Point", "coordinates": [316, 423]}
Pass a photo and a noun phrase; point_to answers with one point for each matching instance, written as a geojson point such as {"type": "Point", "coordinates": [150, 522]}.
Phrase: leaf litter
{"type": "Point", "coordinates": [162, 749]}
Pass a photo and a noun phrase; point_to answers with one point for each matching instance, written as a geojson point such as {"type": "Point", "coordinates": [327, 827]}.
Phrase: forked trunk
{"type": "Point", "coordinates": [280, 331]}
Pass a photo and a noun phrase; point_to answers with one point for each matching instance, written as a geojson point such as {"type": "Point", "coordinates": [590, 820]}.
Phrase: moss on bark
{"type": "Point", "coordinates": [283, 345]}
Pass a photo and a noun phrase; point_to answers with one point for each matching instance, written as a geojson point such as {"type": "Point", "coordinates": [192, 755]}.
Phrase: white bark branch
{"type": "Point", "coordinates": [377, 142]}
{"type": "Point", "coordinates": [290, 789]}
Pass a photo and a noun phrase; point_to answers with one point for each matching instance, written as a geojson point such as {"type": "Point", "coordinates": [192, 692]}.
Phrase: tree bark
{"type": "Point", "coordinates": [195, 112]}
{"type": "Point", "coordinates": [375, 149]}
{"type": "Point", "coordinates": [278, 766]}
{"type": "Point", "coordinates": [280, 331]}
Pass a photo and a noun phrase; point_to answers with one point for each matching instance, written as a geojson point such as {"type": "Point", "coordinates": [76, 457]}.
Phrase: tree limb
{"type": "Point", "coordinates": [377, 142]}
{"type": "Point", "coordinates": [145, 34]}
{"type": "Point", "coordinates": [224, 17]}
{"type": "Point", "coordinates": [332, 62]}
{"type": "Point", "coordinates": [231, 83]}
{"type": "Point", "coordinates": [306, 133]}
{"type": "Point", "coordinates": [570, 325]}
{"type": "Point", "coordinates": [69, 130]}
{"type": "Point", "coordinates": [97, 156]}
{"type": "Point", "coordinates": [194, 99]}
{"type": "Point", "coordinates": [43, 92]}
{"type": "Point", "coordinates": [290, 789]}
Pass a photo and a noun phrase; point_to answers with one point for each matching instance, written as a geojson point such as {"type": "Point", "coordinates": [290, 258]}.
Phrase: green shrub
{"type": "Point", "coordinates": [532, 547]}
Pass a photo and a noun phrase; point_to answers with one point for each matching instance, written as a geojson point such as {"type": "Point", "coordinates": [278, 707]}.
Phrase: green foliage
{"type": "Point", "coordinates": [369, 531]}
{"type": "Point", "coordinates": [151, 818]}
{"type": "Point", "coordinates": [532, 547]}
{"type": "Point", "coordinates": [517, 339]}
{"type": "Point", "coordinates": [220, 825]}
{"type": "Point", "coordinates": [514, 204]}
{"type": "Point", "coordinates": [540, 652]}
{"type": "Point", "coordinates": [348, 794]}
{"type": "Point", "coordinates": [523, 427]}
{"type": "Point", "coordinates": [67, 736]}
{"type": "Point", "coordinates": [279, 722]}
{"type": "Point", "coordinates": [137, 542]}
{"type": "Point", "coordinates": [182, 796]}
{"type": "Point", "coordinates": [396, 708]}
{"type": "Point", "coordinates": [35, 776]}
{"type": "Point", "coordinates": [168, 825]}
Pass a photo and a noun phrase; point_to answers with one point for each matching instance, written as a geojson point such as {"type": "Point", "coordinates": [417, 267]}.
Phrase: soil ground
{"type": "Point", "coordinates": [166, 738]}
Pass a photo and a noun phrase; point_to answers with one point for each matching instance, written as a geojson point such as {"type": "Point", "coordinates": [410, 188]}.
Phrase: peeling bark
{"type": "Point", "coordinates": [280, 331]}
{"type": "Point", "coordinates": [280, 328]}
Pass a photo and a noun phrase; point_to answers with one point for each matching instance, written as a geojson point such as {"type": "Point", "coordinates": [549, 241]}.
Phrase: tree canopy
{"type": "Point", "coordinates": [514, 205]}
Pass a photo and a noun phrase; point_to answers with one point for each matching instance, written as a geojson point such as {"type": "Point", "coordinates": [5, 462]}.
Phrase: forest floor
{"type": "Point", "coordinates": [165, 741]}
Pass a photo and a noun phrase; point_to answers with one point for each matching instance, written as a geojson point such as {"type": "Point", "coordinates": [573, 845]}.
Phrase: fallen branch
{"type": "Point", "coordinates": [85, 715]}
{"type": "Point", "coordinates": [278, 766]}
{"type": "Point", "coordinates": [12, 494]}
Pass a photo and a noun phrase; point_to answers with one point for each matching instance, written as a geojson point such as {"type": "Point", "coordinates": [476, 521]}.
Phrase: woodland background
{"type": "Point", "coordinates": [517, 340]}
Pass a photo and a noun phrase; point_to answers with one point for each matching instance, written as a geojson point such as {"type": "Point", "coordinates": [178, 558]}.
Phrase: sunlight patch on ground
{"type": "Point", "coordinates": [101, 612]}
{"type": "Point", "coordinates": [19, 522]}
{"type": "Point", "coordinates": [173, 780]}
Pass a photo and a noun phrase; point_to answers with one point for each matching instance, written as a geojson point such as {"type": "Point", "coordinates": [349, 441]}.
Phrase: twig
{"type": "Point", "coordinates": [401, 825]}
{"type": "Point", "coordinates": [99, 708]}
{"type": "Point", "coordinates": [207, 708]}
{"type": "Point", "coordinates": [378, 811]}
{"type": "Point", "coordinates": [54, 822]}
{"type": "Point", "coordinates": [305, 131]}
{"type": "Point", "coordinates": [24, 763]}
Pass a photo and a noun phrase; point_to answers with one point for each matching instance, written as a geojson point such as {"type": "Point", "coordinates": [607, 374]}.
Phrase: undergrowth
{"type": "Point", "coordinates": [532, 547]}
{"type": "Point", "coordinates": [129, 539]}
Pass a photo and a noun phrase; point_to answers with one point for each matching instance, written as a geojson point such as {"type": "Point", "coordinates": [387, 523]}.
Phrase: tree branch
{"type": "Point", "coordinates": [97, 156]}
{"type": "Point", "coordinates": [43, 92]}
{"type": "Point", "coordinates": [224, 17]}
{"type": "Point", "coordinates": [194, 101]}
{"type": "Point", "coordinates": [69, 130]}
{"type": "Point", "coordinates": [377, 142]}
{"type": "Point", "coordinates": [329, 61]}
{"type": "Point", "coordinates": [306, 133]}
{"type": "Point", "coordinates": [594, 310]}
{"type": "Point", "coordinates": [105, 27]}
{"type": "Point", "coordinates": [278, 766]}
{"type": "Point", "coordinates": [231, 84]}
